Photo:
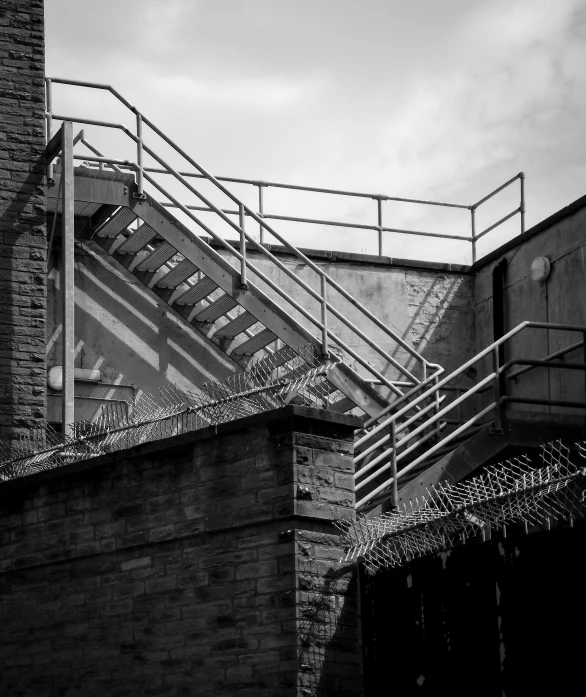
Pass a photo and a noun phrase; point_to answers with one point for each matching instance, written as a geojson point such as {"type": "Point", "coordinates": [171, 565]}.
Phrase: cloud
{"type": "Point", "coordinates": [256, 93]}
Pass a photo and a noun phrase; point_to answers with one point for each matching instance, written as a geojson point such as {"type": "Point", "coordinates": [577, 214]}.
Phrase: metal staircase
{"type": "Point", "coordinates": [231, 298]}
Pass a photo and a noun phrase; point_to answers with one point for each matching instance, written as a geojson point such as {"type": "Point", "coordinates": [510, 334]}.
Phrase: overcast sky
{"type": "Point", "coordinates": [435, 99]}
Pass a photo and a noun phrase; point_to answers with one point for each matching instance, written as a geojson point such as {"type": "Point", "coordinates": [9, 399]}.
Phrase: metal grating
{"type": "Point", "coordinates": [508, 493]}
{"type": "Point", "coordinates": [82, 209]}
{"type": "Point", "coordinates": [133, 244]}
{"type": "Point", "coordinates": [197, 292]}
{"type": "Point", "coordinates": [157, 258]}
{"type": "Point", "coordinates": [118, 222]}
{"type": "Point", "coordinates": [180, 273]}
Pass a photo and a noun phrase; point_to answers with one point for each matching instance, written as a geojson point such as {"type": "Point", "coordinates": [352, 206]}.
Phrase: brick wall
{"type": "Point", "coordinates": [203, 564]}
{"type": "Point", "coordinates": [22, 208]}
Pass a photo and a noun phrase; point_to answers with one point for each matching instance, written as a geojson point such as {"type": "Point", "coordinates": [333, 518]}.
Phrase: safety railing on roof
{"type": "Point", "coordinates": [401, 434]}
{"type": "Point", "coordinates": [260, 186]}
{"type": "Point", "coordinates": [327, 283]}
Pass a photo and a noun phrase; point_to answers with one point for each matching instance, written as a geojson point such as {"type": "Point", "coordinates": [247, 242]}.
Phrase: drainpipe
{"type": "Point", "coordinates": [499, 273]}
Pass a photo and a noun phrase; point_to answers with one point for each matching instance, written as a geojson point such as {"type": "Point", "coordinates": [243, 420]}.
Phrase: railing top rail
{"type": "Point", "coordinates": [256, 182]}
{"type": "Point", "coordinates": [463, 368]}
{"type": "Point", "coordinates": [520, 175]}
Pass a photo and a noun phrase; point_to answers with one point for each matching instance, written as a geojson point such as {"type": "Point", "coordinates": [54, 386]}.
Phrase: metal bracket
{"type": "Point", "coordinates": [139, 197]}
{"type": "Point", "coordinates": [496, 431]}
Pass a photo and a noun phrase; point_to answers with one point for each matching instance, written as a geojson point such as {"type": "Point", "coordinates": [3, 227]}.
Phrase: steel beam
{"type": "Point", "coordinates": [67, 279]}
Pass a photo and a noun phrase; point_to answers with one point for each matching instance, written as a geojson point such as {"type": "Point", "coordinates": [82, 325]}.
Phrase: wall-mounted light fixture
{"type": "Point", "coordinates": [540, 269]}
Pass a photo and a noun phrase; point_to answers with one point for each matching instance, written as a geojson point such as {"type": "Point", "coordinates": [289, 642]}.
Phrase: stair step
{"type": "Point", "coordinates": [184, 270]}
{"type": "Point", "coordinates": [215, 310]}
{"type": "Point", "coordinates": [197, 292]}
{"type": "Point", "coordinates": [236, 326]}
{"type": "Point", "coordinates": [139, 239]}
{"type": "Point", "coordinates": [255, 343]}
{"type": "Point", "coordinates": [118, 222]}
{"type": "Point", "coordinates": [157, 258]}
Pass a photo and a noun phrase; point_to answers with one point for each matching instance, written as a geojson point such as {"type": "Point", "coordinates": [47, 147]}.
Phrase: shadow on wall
{"type": "Point", "coordinates": [329, 665]}
{"type": "Point", "coordinates": [146, 344]}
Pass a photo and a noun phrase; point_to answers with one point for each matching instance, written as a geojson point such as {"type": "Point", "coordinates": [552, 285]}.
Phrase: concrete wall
{"type": "Point", "coordinates": [127, 333]}
{"type": "Point", "coordinates": [560, 299]}
{"type": "Point", "coordinates": [121, 326]}
{"type": "Point", "coordinates": [205, 564]}
{"type": "Point", "coordinates": [22, 207]}
{"type": "Point", "coordinates": [427, 305]}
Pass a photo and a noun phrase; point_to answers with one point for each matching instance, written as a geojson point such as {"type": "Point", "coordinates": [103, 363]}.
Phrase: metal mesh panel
{"type": "Point", "coordinates": [275, 381]}
{"type": "Point", "coordinates": [511, 492]}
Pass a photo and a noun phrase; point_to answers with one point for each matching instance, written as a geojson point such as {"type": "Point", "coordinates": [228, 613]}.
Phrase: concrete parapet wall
{"type": "Point", "coordinates": [204, 564]}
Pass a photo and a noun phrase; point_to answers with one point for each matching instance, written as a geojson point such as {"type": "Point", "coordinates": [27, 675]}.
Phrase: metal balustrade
{"type": "Point", "coordinates": [327, 283]}
{"type": "Point", "coordinates": [400, 421]}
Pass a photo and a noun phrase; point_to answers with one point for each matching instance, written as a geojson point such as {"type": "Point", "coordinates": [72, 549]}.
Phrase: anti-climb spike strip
{"type": "Point", "coordinates": [448, 515]}
{"type": "Point", "coordinates": [269, 383]}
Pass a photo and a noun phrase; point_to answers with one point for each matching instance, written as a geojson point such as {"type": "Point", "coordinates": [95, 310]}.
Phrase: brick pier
{"type": "Point", "coordinates": [200, 565]}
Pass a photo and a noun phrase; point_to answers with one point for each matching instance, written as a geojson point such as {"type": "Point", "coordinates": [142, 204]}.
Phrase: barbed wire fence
{"type": "Point", "coordinates": [448, 515]}
{"type": "Point", "coordinates": [286, 376]}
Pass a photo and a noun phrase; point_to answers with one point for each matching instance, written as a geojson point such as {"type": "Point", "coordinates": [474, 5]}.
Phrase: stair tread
{"type": "Point", "coordinates": [157, 257]}
{"type": "Point", "coordinates": [197, 292]}
{"type": "Point", "coordinates": [184, 270]}
{"type": "Point", "coordinates": [236, 326]}
{"type": "Point", "coordinates": [143, 235]}
{"type": "Point", "coordinates": [215, 310]}
{"type": "Point", "coordinates": [255, 343]}
{"type": "Point", "coordinates": [118, 222]}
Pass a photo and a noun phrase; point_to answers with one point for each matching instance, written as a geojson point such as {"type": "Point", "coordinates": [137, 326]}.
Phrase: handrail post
{"type": "Point", "coordinates": [473, 230]}
{"type": "Point", "coordinates": [394, 487]}
{"type": "Point", "coordinates": [380, 224]}
{"type": "Point", "coordinates": [324, 316]}
{"type": "Point", "coordinates": [261, 213]}
{"type": "Point", "coordinates": [522, 206]}
{"type": "Point", "coordinates": [241, 218]}
{"type": "Point", "coordinates": [139, 155]}
{"type": "Point", "coordinates": [49, 125]}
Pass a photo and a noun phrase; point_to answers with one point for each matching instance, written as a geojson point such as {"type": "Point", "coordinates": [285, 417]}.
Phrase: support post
{"type": "Point", "coordinates": [48, 125]}
{"type": "Point", "coordinates": [139, 155]}
{"type": "Point", "coordinates": [67, 278]}
{"type": "Point", "coordinates": [242, 217]}
{"type": "Point", "coordinates": [394, 489]}
{"type": "Point", "coordinates": [261, 234]}
{"type": "Point", "coordinates": [473, 228]}
{"type": "Point", "coordinates": [522, 181]}
{"type": "Point", "coordinates": [380, 225]}
{"type": "Point", "coordinates": [324, 316]}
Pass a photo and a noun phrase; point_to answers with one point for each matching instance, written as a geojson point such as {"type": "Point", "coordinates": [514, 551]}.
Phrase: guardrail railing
{"type": "Point", "coordinates": [326, 283]}
{"type": "Point", "coordinates": [416, 431]}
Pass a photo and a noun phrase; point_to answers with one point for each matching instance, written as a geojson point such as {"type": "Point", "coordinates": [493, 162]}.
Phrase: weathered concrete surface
{"type": "Point", "coordinates": [123, 327]}
{"type": "Point", "coordinates": [124, 331]}
{"type": "Point", "coordinates": [429, 306]}
{"type": "Point", "coordinates": [560, 299]}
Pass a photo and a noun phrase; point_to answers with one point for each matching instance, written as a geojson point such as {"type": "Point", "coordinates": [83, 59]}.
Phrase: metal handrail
{"type": "Point", "coordinates": [325, 278]}
{"type": "Point", "coordinates": [493, 378]}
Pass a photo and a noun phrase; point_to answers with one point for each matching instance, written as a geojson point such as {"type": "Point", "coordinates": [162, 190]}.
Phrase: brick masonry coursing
{"type": "Point", "coordinates": [204, 564]}
{"type": "Point", "coordinates": [22, 217]}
